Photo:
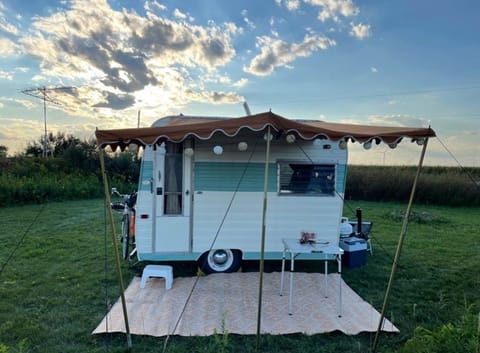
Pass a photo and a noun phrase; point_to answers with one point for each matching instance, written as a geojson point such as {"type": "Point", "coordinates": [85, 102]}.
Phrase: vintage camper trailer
{"type": "Point", "coordinates": [202, 182]}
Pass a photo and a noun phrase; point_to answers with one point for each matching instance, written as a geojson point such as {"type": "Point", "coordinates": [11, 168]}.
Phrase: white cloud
{"type": "Point", "coordinates": [22, 69]}
{"type": "Point", "coordinates": [398, 120]}
{"type": "Point", "coordinates": [249, 23]}
{"type": "Point", "coordinates": [178, 14]}
{"type": "Point", "coordinates": [240, 83]}
{"type": "Point", "coordinates": [215, 97]}
{"type": "Point", "coordinates": [278, 53]}
{"type": "Point", "coordinates": [8, 27]}
{"type": "Point", "coordinates": [33, 129]}
{"type": "Point", "coordinates": [332, 9]}
{"type": "Point", "coordinates": [360, 31]}
{"type": "Point", "coordinates": [292, 5]}
{"type": "Point", "coordinates": [459, 144]}
{"type": "Point", "coordinates": [1, 105]}
{"type": "Point", "coordinates": [24, 102]}
{"type": "Point", "coordinates": [38, 78]}
{"type": "Point", "coordinates": [4, 24]}
{"type": "Point", "coordinates": [7, 47]}
{"type": "Point", "coordinates": [153, 6]}
{"type": "Point", "coordinates": [6, 75]}
{"type": "Point", "coordinates": [182, 16]}
{"type": "Point", "coordinates": [374, 69]}
{"type": "Point", "coordinates": [224, 79]}
{"type": "Point", "coordinates": [122, 55]}
{"type": "Point", "coordinates": [9, 134]}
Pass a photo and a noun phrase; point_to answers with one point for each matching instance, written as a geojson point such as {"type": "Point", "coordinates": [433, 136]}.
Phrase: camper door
{"type": "Point", "coordinates": [173, 199]}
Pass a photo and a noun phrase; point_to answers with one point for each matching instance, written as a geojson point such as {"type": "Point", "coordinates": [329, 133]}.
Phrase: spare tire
{"type": "Point", "coordinates": [220, 261]}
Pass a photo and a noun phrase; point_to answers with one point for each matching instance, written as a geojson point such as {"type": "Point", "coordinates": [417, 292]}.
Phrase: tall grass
{"type": "Point", "coordinates": [460, 336]}
{"type": "Point", "coordinates": [436, 185]}
{"type": "Point", "coordinates": [26, 180]}
{"type": "Point", "coordinates": [38, 189]}
{"type": "Point", "coordinates": [60, 187]}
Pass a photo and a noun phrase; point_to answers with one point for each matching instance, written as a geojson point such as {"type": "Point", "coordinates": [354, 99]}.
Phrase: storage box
{"type": "Point", "coordinates": [355, 252]}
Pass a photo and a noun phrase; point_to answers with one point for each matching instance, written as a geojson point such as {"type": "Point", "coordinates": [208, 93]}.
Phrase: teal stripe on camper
{"type": "Point", "coordinates": [146, 173]}
{"type": "Point", "coordinates": [341, 178]}
{"type": "Point", "coordinates": [225, 176]}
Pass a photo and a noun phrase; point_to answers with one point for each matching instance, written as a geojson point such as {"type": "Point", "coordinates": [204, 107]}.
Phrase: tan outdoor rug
{"type": "Point", "coordinates": [231, 300]}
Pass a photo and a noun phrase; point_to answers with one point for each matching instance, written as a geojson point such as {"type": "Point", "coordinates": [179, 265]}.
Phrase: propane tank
{"type": "Point", "coordinates": [345, 227]}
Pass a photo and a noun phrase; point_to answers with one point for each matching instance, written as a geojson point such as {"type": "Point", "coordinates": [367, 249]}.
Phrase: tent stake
{"type": "Point", "coordinates": [262, 247]}
{"type": "Point", "coordinates": [403, 232]}
{"type": "Point", "coordinates": [115, 248]}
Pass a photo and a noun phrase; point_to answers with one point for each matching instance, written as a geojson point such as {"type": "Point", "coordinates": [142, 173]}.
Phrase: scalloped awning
{"type": "Point", "coordinates": [177, 129]}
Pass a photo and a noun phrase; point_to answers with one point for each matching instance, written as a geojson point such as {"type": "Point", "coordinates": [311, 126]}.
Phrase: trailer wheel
{"type": "Point", "coordinates": [220, 261]}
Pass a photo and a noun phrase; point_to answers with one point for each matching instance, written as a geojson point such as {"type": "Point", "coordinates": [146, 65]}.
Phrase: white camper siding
{"type": "Point", "coordinates": [231, 176]}
{"type": "Point", "coordinates": [240, 228]}
{"type": "Point", "coordinates": [290, 215]}
{"type": "Point", "coordinates": [145, 215]}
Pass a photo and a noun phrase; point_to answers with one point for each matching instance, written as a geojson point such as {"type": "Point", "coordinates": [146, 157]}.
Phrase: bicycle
{"type": "Point", "coordinates": [127, 207]}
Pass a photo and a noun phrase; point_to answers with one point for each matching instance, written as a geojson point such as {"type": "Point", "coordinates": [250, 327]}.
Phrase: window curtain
{"type": "Point", "coordinates": [173, 179]}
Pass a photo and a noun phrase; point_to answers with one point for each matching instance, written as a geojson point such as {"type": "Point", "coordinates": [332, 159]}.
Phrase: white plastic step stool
{"type": "Point", "coordinates": [157, 271]}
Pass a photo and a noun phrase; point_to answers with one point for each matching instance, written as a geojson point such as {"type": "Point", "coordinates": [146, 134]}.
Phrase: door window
{"type": "Point", "coordinates": [173, 179]}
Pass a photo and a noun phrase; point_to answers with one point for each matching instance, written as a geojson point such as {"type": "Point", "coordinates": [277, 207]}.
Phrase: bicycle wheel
{"type": "Point", "coordinates": [125, 236]}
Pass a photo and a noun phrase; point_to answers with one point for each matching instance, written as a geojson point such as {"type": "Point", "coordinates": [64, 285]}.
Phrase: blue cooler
{"type": "Point", "coordinates": [355, 252]}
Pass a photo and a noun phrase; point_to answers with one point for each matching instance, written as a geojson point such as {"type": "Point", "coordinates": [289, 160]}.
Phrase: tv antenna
{"type": "Point", "coordinates": [43, 93]}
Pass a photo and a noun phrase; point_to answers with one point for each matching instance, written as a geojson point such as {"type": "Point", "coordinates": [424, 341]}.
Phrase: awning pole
{"type": "Point", "coordinates": [403, 232]}
{"type": "Point", "coordinates": [262, 246]}
{"type": "Point", "coordinates": [115, 247]}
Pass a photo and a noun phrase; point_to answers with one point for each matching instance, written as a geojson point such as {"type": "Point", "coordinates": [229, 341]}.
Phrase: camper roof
{"type": "Point", "coordinates": [179, 128]}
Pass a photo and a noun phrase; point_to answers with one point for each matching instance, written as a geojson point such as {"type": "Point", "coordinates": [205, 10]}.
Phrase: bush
{"type": "Point", "coordinates": [74, 176]}
{"type": "Point", "coordinates": [450, 338]}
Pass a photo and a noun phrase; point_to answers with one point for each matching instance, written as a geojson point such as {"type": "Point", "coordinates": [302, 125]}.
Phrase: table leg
{"type": "Point", "coordinates": [326, 278]}
{"type": "Point", "coordinates": [283, 272]}
{"type": "Point", "coordinates": [292, 266]}
{"type": "Point", "coordinates": [339, 260]}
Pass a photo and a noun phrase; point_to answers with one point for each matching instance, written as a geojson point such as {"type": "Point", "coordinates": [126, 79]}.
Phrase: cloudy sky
{"type": "Point", "coordinates": [105, 62]}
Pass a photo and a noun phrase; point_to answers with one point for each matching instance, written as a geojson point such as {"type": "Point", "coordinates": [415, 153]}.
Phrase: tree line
{"type": "Point", "coordinates": [71, 170]}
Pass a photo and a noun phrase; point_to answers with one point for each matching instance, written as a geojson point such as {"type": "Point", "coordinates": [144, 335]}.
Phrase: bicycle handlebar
{"type": "Point", "coordinates": [129, 199]}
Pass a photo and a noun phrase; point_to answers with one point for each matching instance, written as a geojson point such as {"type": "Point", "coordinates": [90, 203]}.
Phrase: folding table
{"type": "Point", "coordinates": [325, 250]}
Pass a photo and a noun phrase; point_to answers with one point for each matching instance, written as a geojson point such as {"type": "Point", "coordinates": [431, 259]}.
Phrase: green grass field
{"type": "Point", "coordinates": [55, 278]}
